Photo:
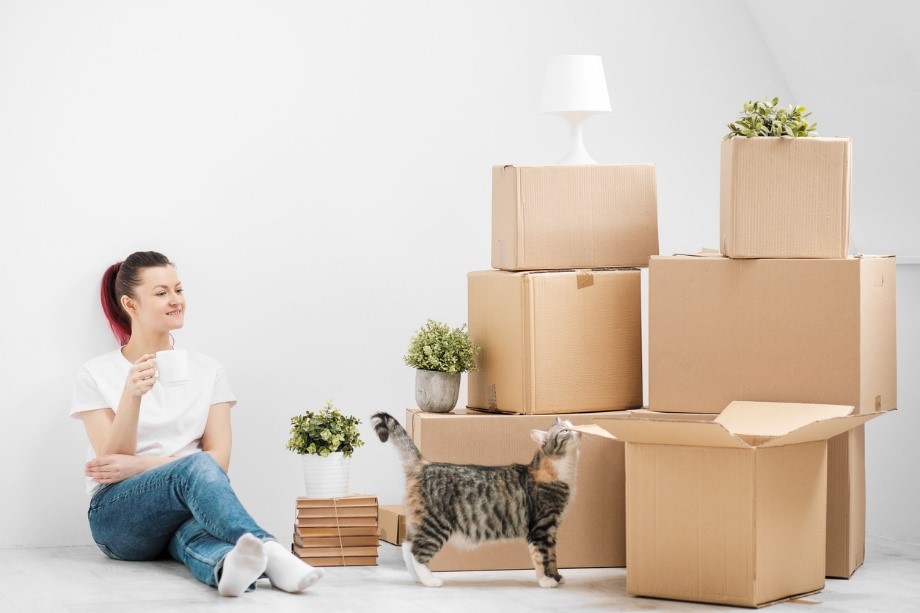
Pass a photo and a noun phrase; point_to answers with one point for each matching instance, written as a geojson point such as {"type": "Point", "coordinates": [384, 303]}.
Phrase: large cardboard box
{"type": "Point", "coordinates": [592, 533]}
{"type": "Point", "coordinates": [586, 216]}
{"type": "Point", "coordinates": [556, 341]}
{"type": "Point", "coordinates": [781, 331]}
{"type": "Point", "coordinates": [785, 197]}
{"type": "Point", "coordinates": [730, 511]}
{"type": "Point", "coordinates": [820, 331]}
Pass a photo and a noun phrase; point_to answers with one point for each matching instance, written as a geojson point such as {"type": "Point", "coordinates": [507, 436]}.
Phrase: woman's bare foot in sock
{"type": "Point", "coordinates": [242, 566]}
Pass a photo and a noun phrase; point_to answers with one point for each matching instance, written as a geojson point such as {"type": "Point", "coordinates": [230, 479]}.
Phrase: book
{"type": "Point", "coordinates": [369, 511]}
{"type": "Point", "coordinates": [370, 540]}
{"type": "Point", "coordinates": [315, 531]}
{"type": "Point", "coordinates": [332, 522]}
{"type": "Point", "coordinates": [335, 552]}
{"type": "Point", "coordinates": [353, 561]}
{"type": "Point", "coordinates": [356, 500]}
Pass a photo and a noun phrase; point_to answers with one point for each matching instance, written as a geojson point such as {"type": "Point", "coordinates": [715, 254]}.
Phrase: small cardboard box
{"type": "Point", "coordinates": [785, 197]}
{"type": "Point", "coordinates": [592, 534]}
{"type": "Point", "coordinates": [730, 511]}
{"type": "Point", "coordinates": [781, 331]}
{"type": "Point", "coordinates": [392, 520]}
{"type": "Point", "coordinates": [555, 341]}
{"type": "Point", "coordinates": [588, 216]}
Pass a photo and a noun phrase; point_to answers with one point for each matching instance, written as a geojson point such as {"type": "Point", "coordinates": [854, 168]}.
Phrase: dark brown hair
{"type": "Point", "coordinates": [119, 280]}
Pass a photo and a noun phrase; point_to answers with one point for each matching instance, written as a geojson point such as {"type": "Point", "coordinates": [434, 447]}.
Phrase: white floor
{"type": "Point", "coordinates": [81, 579]}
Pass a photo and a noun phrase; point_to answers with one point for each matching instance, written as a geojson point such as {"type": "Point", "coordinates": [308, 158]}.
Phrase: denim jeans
{"type": "Point", "coordinates": [186, 507]}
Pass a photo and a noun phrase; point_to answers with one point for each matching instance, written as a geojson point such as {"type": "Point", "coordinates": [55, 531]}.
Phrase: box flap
{"type": "Point", "coordinates": [821, 430]}
{"type": "Point", "coordinates": [634, 429]}
{"type": "Point", "coordinates": [771, 419]}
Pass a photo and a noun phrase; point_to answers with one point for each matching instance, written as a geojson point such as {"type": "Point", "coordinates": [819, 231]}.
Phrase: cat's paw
{"type": "Point", "coordinates": [560, 579]}
{"type": "Point", "coordinates": [432, 582]}
{"type": "Point", "coordinates": [549, 582]}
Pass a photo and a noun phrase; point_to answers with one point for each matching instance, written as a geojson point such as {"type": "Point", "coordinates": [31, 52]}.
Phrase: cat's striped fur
{"type": "Point", "coordinates": [476, 504]}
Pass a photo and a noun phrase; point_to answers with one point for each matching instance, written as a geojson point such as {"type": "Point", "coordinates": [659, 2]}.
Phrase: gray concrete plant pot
{"type": "Point", "coordinates": [435, 391]}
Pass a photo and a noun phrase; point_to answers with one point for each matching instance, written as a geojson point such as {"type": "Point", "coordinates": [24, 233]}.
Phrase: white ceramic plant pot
{"type": "Point", "coordinates": [435, 391]}
{"type": "Point", "coordinates": [325, 477]}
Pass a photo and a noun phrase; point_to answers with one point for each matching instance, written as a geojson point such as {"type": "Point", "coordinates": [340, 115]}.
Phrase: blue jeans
{"type": "Point", "coordinates": [186, 507]}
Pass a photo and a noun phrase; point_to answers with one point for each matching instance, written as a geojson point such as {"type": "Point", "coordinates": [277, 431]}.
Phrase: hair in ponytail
{"type": "Point", "coordinates": [119, 280]}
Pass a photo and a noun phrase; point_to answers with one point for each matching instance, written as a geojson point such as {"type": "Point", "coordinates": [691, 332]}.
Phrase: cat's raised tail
{"type": "Point", "coordinates": [386, 427]}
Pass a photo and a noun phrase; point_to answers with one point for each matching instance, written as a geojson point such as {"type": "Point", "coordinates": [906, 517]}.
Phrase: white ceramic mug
{"type": "Point", "coordinates": [172, 366]}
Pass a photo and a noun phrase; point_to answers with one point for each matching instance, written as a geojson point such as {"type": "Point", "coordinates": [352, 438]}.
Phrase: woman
{"type": "Point", "coordinates": [159, 454]}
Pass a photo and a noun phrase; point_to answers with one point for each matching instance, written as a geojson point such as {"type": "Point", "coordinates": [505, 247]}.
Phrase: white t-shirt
{"type": "Point", "coordinates": [172, 418]}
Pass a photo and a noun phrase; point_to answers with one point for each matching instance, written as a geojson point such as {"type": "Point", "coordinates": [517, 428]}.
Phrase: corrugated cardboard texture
{"type": "Point", "coordinates": [555, 217]}
{"type": "Point", "coordinates": [819, 331]}
{"type": "Point", "coordinates": [593, 529]}
{"type": "Point", "coordinates": [553, 342]}
{"type": "Point", "coordinates": [785, 197]}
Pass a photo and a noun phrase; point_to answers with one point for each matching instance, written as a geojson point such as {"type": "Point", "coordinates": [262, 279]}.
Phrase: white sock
{"type": "Point", "coordinates": [288, 572]}
{"type": "Point", "coordinates": [242, 566]}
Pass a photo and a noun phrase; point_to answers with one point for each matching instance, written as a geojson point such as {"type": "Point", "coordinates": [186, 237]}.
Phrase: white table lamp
{"type": "Point", "coordinates": [575, 88]}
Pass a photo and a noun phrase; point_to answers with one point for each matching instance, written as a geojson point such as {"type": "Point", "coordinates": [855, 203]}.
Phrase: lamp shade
{"type": "Point", "coordinates": [575, 83]}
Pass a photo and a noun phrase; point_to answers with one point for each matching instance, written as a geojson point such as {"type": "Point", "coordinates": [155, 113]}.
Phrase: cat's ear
{"type": "Point", "coordinates": [539, 437]}
{"type": "Point", "coordinates": [558, 420]}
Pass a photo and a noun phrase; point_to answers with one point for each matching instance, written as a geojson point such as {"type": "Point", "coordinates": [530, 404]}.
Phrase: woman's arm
{"type": "Point", "coordinates": [218, 437]}
{"type": "Point", "coordinates": [113, 432]}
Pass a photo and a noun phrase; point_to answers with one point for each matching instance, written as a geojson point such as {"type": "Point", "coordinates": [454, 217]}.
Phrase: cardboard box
{"type": "Point", "coordinates": [590, 216]}
{"type": "Point", "coordinates": [785, 197]}
{"type": "Point", "coordinates": [392, 520]}
{"type": "Point", "coordinates": [730, 511]}
{"type": "Point", "coordinates": [820, 331]}
{"type": "Point", "coordinates": [781, 331]}
{"type": "Point", "coordinates": [592, 533]}
{"type": "Point", "coordinates": [556, 341]}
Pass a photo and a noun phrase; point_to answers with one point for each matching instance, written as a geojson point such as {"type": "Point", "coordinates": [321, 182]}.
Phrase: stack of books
{"type": "Point", "coordinates": [337, 531]}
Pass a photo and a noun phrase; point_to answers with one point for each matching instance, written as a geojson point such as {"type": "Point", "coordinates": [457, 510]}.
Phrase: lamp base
{"type": "Point", "coordinates": [577, 153]}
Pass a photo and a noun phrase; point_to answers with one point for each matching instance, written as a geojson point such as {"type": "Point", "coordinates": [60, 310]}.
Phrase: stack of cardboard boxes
{"type": "Point", "coordinates": [559, 323]}
{"type": "Point", "coordinates": [336, 531]}
{"type": "Point", "coordinates": [744, 479]}
{"type": "Point", "coordinates": [734, 510]}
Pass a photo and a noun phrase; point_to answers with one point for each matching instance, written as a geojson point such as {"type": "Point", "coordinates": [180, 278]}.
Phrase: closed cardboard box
{"type": "Point", "coordinates": [582, 216]}
{"type": "Point", "coordinates": [730, 511]}
{"type": "Point", "coordinates": [592, 533]}
{"type": "Point", "coordinates": [555, 341]}
{"type": "Point", "coordinates": [785, 197]}
{"type": "Point", "coordinates": [820, 331]}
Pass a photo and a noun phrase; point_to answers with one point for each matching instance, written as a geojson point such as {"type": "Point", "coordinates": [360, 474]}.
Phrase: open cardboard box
{"type": "Point", "coordinates": [731, 510]}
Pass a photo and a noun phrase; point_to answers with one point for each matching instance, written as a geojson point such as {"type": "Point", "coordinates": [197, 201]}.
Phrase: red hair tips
{"type": "Point", "coordinates": [111, 306]}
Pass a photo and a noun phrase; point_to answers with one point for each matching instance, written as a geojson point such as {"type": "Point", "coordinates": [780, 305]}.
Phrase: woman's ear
{"type": "Point", "coordinates": [539, 437]}
{"type": "Point", "coordinates": [128, 304]}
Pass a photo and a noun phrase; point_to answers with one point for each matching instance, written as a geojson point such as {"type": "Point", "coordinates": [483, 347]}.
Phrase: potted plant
{"type": "Point", "coordinates": [325, 440]}
{"type": "Point", "coordinates": [785, 192]}
{"type": "Point", "coordinates": [440, 354]}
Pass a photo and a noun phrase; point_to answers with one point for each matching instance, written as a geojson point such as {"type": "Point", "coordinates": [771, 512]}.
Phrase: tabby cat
{"type": "Point", "coordinates": [476, 504]}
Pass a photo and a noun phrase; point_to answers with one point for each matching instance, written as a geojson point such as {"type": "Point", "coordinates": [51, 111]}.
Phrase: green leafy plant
{"type": "Point", "coordinates": [437, 346]}
{"type": "Point", "coordinates": [324, 432]}
{"type": "Point", "coordinates": [766, 118]}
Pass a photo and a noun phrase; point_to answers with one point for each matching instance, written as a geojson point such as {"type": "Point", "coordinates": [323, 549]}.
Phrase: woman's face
{"type": "Point", "coordinates": [158, 301]}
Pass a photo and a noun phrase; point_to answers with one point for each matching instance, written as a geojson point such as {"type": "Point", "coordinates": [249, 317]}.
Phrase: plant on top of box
{"type": "Point", "coordinates": [325, 440]}
{"type": "Point", "coordinates": [766, 118]}
{"type": "Point", "coordinates": [439, 354]}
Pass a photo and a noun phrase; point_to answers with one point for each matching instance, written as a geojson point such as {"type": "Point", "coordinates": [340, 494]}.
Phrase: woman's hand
{"type": "Point", "coordinates": [141, 376]}
{"type": "Point", "coordinates": [114, 468]}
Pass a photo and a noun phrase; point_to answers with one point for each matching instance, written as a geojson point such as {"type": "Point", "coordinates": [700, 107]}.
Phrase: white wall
{"type": "Point", "coordinates": [321, 174]}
